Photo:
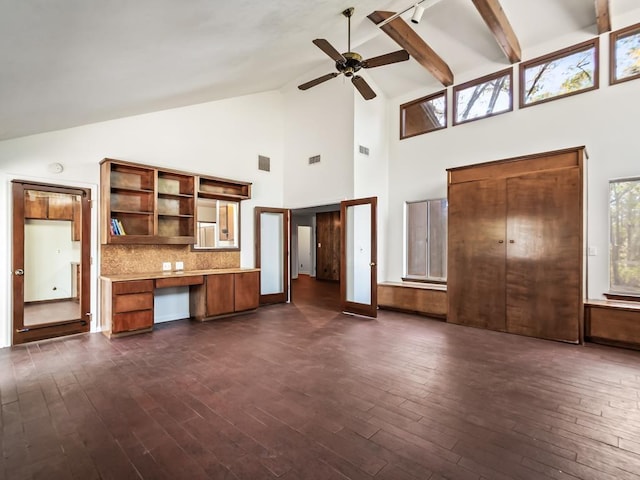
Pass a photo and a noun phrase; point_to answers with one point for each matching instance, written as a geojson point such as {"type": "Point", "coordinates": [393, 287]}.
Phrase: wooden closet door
{"type": "Point", "coordinates": [544, 252]}
{"type": "Point", "coordinates": [476, 259]}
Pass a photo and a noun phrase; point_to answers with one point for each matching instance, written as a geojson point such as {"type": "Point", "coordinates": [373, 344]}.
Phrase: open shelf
{"type": "Point", "coordinates": [155, 205]}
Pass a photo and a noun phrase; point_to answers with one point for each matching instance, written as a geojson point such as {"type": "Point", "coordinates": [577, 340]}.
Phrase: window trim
{"type": "Point", "coordinates": [613, 38]}
{"type": "Point", "coordinates": [404, 106]}
{"type": "Point", "coordinates": [565, 52]}
{"type": "Point", "coordinates": [485, 79]}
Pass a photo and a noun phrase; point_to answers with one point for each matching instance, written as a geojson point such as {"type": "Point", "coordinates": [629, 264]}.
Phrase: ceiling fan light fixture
{"type": "Point", "coordinates": [417, 13]}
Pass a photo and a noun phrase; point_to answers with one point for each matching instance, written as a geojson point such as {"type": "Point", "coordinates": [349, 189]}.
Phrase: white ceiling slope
{"type": "Point", "coordinates": [71, 62]}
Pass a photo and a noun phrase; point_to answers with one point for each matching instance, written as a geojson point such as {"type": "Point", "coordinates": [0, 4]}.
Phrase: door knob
{"type": "Point", "coordinates": [372, 264]}
{"type": "Point", "coordinates": [19, 272]}
{"type": "Point", "coordinates": [500, 241]}
{"type": "Point", "coordinates": [512, 241]}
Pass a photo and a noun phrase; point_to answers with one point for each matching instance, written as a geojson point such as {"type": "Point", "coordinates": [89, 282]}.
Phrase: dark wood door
{"type": "Point", "coordinates": [476, 249]}
{"type": "Point", "coordinates": [51, 265]}
{"type": "Point", "coordinates": [328, 246]}
{"type": "Point", "coordinates": [544, 254]}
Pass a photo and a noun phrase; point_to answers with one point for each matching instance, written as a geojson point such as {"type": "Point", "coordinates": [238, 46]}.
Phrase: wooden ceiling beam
{"type": "Point", "coordinates": [495, 18]}
{"type": "Point", "coordinates": [603, 19]}
{"type": "Point", "coordinates": [408, 39]}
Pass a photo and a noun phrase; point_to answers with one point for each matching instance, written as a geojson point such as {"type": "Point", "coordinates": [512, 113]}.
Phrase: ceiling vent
{"type": "Point", "coordinates": [264, 163]}
{"type": "Point", "coordinates": [314, 159]}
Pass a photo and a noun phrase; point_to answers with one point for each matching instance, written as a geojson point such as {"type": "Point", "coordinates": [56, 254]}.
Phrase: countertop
{"type": "Point", "coordinates": [174, 274]}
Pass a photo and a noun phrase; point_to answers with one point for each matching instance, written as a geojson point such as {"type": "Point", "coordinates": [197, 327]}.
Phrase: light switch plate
{"type": "Point", "coordinates": [166, 266]}
{"type": "Point", "coordinates": [593, 251]}
{"type": "Point", "coordinates": [179, 265]}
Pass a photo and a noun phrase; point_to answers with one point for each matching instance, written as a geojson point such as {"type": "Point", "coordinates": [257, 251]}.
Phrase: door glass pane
{"type": "Point", "coordinates": [358, 250]}
{"type": "Point", "coordinates": [271, 248]}
{"type": "Point", "coordinates": [52, 250]}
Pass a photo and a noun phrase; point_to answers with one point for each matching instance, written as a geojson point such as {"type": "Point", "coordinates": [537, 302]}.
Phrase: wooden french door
{"type": "Point", "coordinates": [272, 253]}
{"type": "Point", "coordinates": [359, 257]}
{"type": "Point", "coordinates": [51, 261]}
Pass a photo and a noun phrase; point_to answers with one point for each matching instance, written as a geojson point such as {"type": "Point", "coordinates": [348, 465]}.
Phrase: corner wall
{"type": "Point", "coordinates": [222, 139]}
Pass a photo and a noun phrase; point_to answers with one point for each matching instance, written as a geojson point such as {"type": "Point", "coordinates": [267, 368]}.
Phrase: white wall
{"type": "Point", "coordinates": [603, 120]}
{"type": "Point", "coordinates": [371, 172]}
{"type": "Point", "coordinates": [222, 138]}
{"type": "Point", "coordinates": [319, 121]}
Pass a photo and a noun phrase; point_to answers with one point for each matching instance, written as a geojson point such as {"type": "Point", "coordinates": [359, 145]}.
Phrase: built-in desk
{"type": "Point", "coordinates": [127, 300]}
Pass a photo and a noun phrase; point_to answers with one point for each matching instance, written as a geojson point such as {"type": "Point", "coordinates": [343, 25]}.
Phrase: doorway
{"type": "Point", "coordinates": [51, 261]}
{"type": "Point", "coordinates": [316, 256]}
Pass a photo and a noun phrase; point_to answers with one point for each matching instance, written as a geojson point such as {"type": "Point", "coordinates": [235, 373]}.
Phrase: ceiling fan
{"type": "Point", "coordinates": [349, 63]}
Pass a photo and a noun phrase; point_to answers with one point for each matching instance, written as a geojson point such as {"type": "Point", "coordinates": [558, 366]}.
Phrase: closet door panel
{"type": "Point", "coordinates": [544, 249]}
{"type": "Point", "coordinates": [476, 259]}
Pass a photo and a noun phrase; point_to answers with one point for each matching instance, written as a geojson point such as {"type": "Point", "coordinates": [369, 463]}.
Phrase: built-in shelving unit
{"type": "Point", "coordinates": [143, 204]}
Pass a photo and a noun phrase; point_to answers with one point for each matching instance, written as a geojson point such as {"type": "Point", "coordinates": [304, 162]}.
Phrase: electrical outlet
{"type": "Point", "coordinates": [166, 266]}
{"type": "Point", "coordinates": [179, 265]}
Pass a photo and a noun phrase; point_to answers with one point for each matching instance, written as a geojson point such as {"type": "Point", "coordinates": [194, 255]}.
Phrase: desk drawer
{"type": "Point", "coordinates": [132, 302]}
{"type": "Point", "coordinates": [179, 281]}
{"type": "Point", "coordinates": [126, 322]}
{"type": "Point", "coordinates": [133, 286]}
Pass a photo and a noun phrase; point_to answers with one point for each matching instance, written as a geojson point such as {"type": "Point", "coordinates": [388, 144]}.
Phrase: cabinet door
{"type": "Point", "coordinates": [219, 294]}
{"type": "Point", "coordinates": [476, 257]}
{"type": "Point", "coordinates": [247, 287]}
{"type": "Point", "coordinates": [544, 254]}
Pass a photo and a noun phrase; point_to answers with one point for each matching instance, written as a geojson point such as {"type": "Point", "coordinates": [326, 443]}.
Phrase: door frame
{"type": "Point", "coordinates": [283, 296]}
{"type": "Point", "coordinates": [20, 333]}
{"type": "Point", "coordinates": [367, 310]}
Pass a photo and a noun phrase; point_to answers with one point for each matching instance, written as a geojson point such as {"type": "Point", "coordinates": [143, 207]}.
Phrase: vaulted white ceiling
{"type": "Point", "coordinates": [65, 63]}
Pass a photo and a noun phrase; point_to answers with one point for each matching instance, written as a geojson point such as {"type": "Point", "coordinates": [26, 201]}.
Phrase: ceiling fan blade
{"type": "Point", "coordinates": [313, 83]}
{"type": "Point", "coordinates": [363, 87]}
{"type": "Point", "coordinates": [327, 48]}
{"type": "Point", "coordinates": [393, 57]}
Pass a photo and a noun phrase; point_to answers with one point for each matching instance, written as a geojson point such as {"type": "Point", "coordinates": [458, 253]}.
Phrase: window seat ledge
{"type": "Point", "coordinates": [421, 298]}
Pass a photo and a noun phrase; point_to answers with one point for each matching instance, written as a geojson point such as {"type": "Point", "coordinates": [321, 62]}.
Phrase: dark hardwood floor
{"type": "Point", "coordinates": [303, 392]}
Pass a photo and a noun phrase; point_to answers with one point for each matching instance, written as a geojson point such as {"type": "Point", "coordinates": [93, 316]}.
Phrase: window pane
{"type": "Point", "coordinates": [438, 238]}
{"type": "Point", "coordinates": [627, 53]}
{"type": "Point", "coordinates": [426, 234]}
{"type": "Point", "coordinates": [624, 205]}
{"type": "Point", "coordinates": [478, 100]}
{"type": "Point", "coordinates": [417, 239]}
{"type": "Point", "coordinates": [423, 115]}
{"type": "Point", "coordinates": [560, 75]}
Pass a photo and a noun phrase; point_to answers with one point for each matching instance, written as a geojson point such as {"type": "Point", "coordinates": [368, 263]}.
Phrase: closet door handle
{"type": "Point", "coordinates": [512, 241]}
{"type": "Point", "coordinates": [500, 241]}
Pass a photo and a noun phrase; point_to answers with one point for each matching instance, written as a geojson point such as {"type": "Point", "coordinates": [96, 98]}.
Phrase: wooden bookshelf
{"type": "Point", "coordinates": [155, 205]}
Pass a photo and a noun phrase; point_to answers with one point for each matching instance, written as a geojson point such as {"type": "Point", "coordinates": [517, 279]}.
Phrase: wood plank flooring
{"type": "Point", "coordinates": [300, 392]}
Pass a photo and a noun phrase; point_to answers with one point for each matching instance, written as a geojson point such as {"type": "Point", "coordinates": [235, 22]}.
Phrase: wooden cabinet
{"type": "Point", "coordinates": [127, 306]}
{"type": "Point", "coordinates": [515, 246]}
{"type": "Point", "coordinates": [225, 294]}
{"type": "Point", "coordinates": [246, 291]}
{"type": "Point", "coordinates": [49, 206]}
{"type": "Point", "coordinates": [220, 294]}
{"type": "Point", "coordinates": [328, 246]}
{"type": "Point", "coordinates": [613, 322]}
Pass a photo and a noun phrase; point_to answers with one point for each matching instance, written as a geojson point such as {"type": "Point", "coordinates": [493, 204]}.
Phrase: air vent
{"type": "Point", "coordinates": [364, 150]}
{"type": "Point", "coordinates": [264, 163]}
{"type": "Point", "coordinates": [314, 159]}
